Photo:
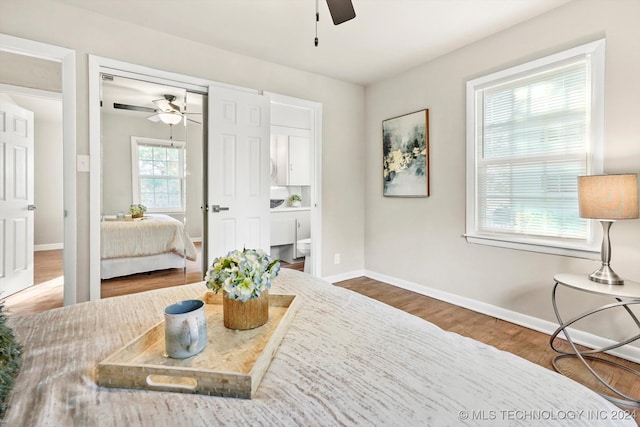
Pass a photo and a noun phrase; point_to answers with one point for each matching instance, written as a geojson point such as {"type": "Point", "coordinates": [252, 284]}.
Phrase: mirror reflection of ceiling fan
{"type": "Point", "coordinates": [166, 111]}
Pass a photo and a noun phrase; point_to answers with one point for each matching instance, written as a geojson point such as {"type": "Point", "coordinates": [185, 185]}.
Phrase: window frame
{"type": "Point", "coordinates": [594, 53]}
{"type": "Point", "coordinates": [136, 142]}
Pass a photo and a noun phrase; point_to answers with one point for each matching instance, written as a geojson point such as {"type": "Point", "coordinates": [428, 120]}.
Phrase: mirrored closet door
{"type": "Point", "coordinates": [151, 152]}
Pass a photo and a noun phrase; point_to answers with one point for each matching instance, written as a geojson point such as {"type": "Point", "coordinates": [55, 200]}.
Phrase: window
{"type": "Point", "coordinates": [158, 174]}
{"type": "Point", "coordinates": [531, 131]}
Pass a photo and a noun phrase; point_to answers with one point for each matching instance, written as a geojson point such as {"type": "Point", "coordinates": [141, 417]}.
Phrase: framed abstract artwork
{"type": "Point", "coordinates": [405, 155]}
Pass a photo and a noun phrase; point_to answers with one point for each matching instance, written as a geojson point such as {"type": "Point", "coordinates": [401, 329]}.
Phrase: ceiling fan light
{"type": "Point", "coordinates": [170, 118]}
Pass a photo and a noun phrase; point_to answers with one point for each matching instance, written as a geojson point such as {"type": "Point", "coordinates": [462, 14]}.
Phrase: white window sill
{"type": "Point", "coordinates": [546, 248]}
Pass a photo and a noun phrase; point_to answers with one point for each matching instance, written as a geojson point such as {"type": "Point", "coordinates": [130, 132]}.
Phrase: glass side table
{"type": "Point", "coordinates": [625, 296]}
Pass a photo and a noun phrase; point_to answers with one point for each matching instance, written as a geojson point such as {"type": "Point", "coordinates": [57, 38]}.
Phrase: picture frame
{"type": "Point", "coordinates": [405, 155]}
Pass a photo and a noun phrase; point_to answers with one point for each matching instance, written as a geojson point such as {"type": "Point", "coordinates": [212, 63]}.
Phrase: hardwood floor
{"type": "Point", "coordinates": [523, 342]}
{"type": "Point", "coordinates": [526, 343]}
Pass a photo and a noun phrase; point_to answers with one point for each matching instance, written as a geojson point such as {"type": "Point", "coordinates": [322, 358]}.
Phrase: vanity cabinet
{"type": "Point", "coordinates": [290, 156]}
{"type": "Point", "coordinates": [287, 227]}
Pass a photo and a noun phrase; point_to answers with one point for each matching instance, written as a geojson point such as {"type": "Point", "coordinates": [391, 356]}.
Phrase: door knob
{"type": "Point", "coordinates": [31, 207]}
{"type": "Point", "coordinates": [218, 208]}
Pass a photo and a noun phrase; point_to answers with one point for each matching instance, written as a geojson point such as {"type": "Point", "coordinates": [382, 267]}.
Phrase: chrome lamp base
{"type": "Point", "coordinates": [605, 274]}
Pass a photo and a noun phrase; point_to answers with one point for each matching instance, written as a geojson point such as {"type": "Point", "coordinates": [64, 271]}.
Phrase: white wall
{"type": "Point", "coordinates": [420, 240]}
{"type": "Point", "coordinates": [48, 219]}
{"type": "Point", "coordinates": [343, 109]}
{"type": "Point", "coordinates": [26, 71]}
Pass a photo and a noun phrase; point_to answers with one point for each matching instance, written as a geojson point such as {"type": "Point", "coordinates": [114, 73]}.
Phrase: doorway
{"type": "Point", "coordinates": [46, 224]}
{"type": "Point", "coordinates": [17, 72]}
{"type": "Point", "coordinates": [296, 135]}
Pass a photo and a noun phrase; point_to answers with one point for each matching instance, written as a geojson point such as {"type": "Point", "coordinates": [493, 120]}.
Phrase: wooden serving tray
{"type": "Point", "coordinates": [231, 365]}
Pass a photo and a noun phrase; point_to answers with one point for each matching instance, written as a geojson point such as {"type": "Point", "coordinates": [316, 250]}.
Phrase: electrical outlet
{"type": "Point", "coordinates": [336, 258]}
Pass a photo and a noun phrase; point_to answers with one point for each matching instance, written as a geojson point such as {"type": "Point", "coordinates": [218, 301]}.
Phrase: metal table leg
{"type": "Point", "coordinates": [584, 356]}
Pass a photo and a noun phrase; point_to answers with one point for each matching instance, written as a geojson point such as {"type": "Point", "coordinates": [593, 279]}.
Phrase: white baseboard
{"type": "Point", "coordinates": [344, 276]}
{"type": "Point", "coordinates": [48, 247]}
{"type": "Point", "coordinates": [540, 325]}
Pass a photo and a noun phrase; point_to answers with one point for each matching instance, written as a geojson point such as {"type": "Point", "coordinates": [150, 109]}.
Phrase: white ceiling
{"type": "Point", "coordinates": [386, 37]}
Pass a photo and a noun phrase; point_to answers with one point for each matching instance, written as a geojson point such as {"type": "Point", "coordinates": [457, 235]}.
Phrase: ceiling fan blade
{"type": "Point", "coordinates": [133, 108]}
{"type": "Point", "coordinates": [341, 10]}
{"type": "Point", "coordinates": [154, 118]}
{"type": "Point", "coordinates": [194, 121]}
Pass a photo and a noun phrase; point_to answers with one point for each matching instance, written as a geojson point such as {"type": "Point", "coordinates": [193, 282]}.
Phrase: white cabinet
{"type": "Point", "coordinates": [290, 156]}
{"type": "Point", "coordinates": [299, 160]}
{"type": "Point", "coordinates": [283, 230]}
{"type": "Point", "coordinates": [287, 227]}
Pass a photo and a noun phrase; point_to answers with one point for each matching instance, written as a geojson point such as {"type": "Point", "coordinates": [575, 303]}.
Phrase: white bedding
{"type": "Point", "coordinates": [151, 235]}
{"type": "Point", "coordinates": [155, 242]}
{"type": "Point", "coordinates": [345, 360]}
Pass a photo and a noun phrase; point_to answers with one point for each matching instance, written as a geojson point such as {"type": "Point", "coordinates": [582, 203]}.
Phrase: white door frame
{"type": "Point", "coordinates": [67, 58]}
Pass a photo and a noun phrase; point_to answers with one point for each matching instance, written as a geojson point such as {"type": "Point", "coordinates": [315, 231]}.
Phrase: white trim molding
{"type": "Point", "coordinates": [345, 276]}
{"type": "Point", "coordinates": [48, 247]}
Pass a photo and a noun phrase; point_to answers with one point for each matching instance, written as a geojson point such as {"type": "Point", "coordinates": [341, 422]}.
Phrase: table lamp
{"type": "Point", "coordinates": [608, 198]}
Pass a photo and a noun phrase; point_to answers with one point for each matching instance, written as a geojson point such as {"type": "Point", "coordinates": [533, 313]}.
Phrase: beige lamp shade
{"type": "Point", "coordinates": [609, 197]}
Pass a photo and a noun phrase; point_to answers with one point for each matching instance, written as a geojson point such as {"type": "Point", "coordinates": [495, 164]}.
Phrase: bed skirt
{"type": "Point", "coordinates": [117, 267]}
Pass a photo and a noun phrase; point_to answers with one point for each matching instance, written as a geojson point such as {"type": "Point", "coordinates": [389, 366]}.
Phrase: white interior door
{"type": "Point", "coordinates": [16, 199]}
{"type": "Point", "coordinates": [238, 171]}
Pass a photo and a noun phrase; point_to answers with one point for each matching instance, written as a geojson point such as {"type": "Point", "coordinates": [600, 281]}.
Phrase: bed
{"type": "Point", "coordinates": [153, 242]}
{"type": "Point", "coordinates": [345, 360]}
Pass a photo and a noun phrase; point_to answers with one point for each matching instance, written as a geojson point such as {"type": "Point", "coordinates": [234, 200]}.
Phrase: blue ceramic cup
{"type": "Point", "coordinates": [185, 328]}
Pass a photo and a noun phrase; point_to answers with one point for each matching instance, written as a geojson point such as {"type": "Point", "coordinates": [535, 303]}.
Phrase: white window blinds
{"type": "Point", "coordinates": [158, 174]}
{"type": "Point", "coordinates": [532, 137]}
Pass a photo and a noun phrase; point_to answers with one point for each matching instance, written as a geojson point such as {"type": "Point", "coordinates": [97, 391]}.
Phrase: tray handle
{"type": "Point", "coordinates": [172, 383]}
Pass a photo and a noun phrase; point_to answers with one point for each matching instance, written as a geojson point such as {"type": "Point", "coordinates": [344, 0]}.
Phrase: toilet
{"type": "Point", "coordinates": [304, 247]}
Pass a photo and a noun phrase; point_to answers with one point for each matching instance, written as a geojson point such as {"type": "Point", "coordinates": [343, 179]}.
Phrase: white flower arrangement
{"type": "Point", "coordinates": [243, 275]}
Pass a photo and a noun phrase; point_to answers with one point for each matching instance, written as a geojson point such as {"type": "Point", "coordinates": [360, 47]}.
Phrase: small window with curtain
{"type": "Point", "coordinates": [158, 176]}
{"type": "Point", "coordinates": [531, 131]}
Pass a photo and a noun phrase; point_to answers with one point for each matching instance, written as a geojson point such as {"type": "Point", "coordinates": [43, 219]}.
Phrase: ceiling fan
{"type": "Point", "coordinates": [166, 111]}
{"type": "Point", "coordinates": [340, 10]}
